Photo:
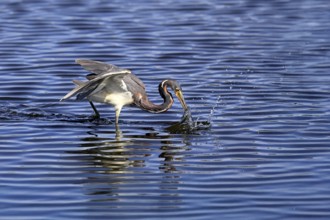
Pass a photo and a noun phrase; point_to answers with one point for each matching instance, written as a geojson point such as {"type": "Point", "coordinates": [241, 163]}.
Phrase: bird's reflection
{"type": "Point", "coordinates": [110, 154]}
{"type": "Point", "coordinates": [115, 160]}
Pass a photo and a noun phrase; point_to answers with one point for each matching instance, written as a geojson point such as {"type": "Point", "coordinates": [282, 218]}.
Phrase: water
{"type": "Point", "coordinates": [258, 71]}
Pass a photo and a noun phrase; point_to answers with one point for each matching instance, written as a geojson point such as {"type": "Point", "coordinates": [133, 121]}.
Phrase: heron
{"type": "Point", "coordinates": [119, 87]}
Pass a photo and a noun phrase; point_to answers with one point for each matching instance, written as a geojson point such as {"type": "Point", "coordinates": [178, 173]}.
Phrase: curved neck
{"type": "Point", "coordinates": [145, 104]}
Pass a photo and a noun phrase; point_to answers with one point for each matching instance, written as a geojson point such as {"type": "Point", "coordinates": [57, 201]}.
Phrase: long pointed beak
{"type": "Point", "coordinates": [179, 94]}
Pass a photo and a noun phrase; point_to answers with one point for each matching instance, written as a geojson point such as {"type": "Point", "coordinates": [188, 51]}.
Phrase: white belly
{"type": "Point", "coordinates": [119, 99]}
{"type": "Point", "coordinates": [115, 99]}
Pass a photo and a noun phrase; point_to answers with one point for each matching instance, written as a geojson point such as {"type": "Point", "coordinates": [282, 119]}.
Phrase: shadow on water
{"type": "Point", "coordinates": [113, 157]}
{"type": "Point", "coordinates": [119, 153]}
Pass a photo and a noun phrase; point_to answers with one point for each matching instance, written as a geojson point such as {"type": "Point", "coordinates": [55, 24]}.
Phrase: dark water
{"type": "Point", "coordinates": [258, 70]}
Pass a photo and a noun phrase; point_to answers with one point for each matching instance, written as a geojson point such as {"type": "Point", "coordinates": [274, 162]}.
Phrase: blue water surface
{"type": "Point", "coordinates": [258, 71]}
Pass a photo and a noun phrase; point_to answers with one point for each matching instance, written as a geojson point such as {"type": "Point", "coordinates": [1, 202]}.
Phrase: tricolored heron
{"type": "Point", "coordinates": [110, 84]}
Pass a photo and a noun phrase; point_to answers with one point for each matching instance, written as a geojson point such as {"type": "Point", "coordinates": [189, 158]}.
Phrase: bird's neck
{"type": "Point", "coordinates": [147, 105]}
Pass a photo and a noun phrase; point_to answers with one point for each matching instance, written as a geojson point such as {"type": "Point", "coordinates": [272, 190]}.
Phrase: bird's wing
{"type": "Point", "coordinates": [103, 70]}
{"type": "Point", "coordinates": [82, 90]}
{"type": "Point", "coordinates": [98, 67]}
{"type": "Point", "coordinates": [138, 81]}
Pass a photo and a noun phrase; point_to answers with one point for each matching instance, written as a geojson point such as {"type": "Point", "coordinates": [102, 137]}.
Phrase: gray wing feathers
{"type": "Point", "coordinates": [73, 92]}
{"type": "Point", "coordinates": [136, 80]}
{"type": "Point", "coordinates": [98, 67]}
{"type": "Point", "coordinates": [103, 70]}
{"type": "Point", "coordinates": [82, 90]}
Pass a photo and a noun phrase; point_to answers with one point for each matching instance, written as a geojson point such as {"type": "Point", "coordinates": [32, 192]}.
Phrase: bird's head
{"type": "Point", "coordinates": [175, 86]}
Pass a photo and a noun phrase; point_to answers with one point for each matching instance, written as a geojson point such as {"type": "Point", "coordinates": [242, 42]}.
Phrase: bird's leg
{"type": "Point", "coordinates": [118, 109]}
{"type": "Point", "coordinates": [97, 114]}
{"type": "Point", "coordinates": [119, 134]}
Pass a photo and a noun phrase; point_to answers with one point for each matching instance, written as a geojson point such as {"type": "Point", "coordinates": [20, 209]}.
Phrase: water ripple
{"type": "Point", "coordinates": [257, 71]}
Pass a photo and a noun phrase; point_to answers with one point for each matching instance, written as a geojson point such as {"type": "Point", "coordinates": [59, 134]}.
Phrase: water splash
{"type": "Point", "coordinates": [188, 125]}
{"type": "Point", "coordinates": [214, 109]}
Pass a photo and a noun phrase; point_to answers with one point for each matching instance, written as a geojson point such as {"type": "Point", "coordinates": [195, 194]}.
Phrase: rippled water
{"type": "Point", "coordinates": [258, 70]}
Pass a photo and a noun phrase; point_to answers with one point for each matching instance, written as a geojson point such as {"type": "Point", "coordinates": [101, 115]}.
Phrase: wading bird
{"type": "Point", "coordinates": [119, 87]}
